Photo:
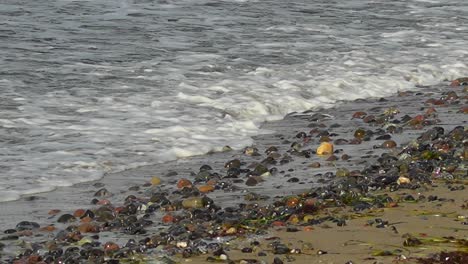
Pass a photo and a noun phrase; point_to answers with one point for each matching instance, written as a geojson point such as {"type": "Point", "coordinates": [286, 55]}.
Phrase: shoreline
{"type": "Point", "coordinates": [298, 170]}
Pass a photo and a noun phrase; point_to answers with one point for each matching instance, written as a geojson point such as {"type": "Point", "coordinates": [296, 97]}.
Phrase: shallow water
{"type": "Point", "coordinates": [89, 87]}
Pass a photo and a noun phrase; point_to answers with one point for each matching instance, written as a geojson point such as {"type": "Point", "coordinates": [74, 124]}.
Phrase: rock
{"type": "Point", "coordinates": [26, 225]}
{"type": "Point", "coordinates": [205, 188]}
{"type": "Point", "coordinates": [326, 148]}
{"type": "Point", "coordinates": [389, 144]}
{"type": "Point", "coordinates": [66, 218]}
{"type": "Point", "coordinates": [155, 181]}
{"type": "Point", "coordinates": [193, 202]}
{"type": "Point", "coordinates": [459, 82]}
{"type": "Point", "coordinates": [251, 181]}
{"type": "Point", "coordinates": [233, 164]}
{"type": "Point", "coordinates": [184, 183]}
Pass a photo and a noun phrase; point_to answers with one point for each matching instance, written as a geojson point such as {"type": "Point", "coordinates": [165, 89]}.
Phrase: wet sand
{"type": "Point", "coordinates": [356, 239]}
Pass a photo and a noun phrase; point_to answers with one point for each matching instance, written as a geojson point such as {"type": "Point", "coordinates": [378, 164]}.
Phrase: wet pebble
{"type": "Point", "coordinates": [66, 218]}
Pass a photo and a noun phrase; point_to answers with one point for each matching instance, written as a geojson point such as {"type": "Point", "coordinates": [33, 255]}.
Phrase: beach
{"type": "Point", "coordinates": [392, 189]}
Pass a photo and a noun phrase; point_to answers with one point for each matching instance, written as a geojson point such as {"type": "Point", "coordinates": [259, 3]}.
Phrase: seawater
{"type": "Point", "coordinates": [89, 87]}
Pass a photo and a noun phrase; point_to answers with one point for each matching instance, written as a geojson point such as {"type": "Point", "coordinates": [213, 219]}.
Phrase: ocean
{"type": "Point", "coordinates": [92, 87]}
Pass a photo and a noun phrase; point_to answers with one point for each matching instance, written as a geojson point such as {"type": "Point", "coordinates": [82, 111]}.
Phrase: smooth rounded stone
{"type": "Point", "coordinates": [235, 163]}
{"type": "Point", "coordinates": [66, 218]}
{"type": "Point", "coordinates": [203, 176]}
{"type": "Point", "coordinates": [325, 148]}
{"type": "Point", "coordinates": [155, 181]}
{"type": "Point", "coordinates": [315, 164]}
{"type": "Point", "coordinates": [369, 119]}
{"type": "Point", "coordinates": [26, 225]}
{"type": "Point", "coordinates": [342, 172]}
{"type": "Point", "coordinates": [332, 158]}
{"type": "Point", "coordinates": [389, 144]}
{"type": "Point", "coordinates": [193, 202]}
{"type": "Point", "coordinates": [340, 141]}
{"type": "Point", "coordinates": [104, 214]}
{"type": "Point", "coordinates": [345, 157]}
{"type": "Point", "coordinates": [251, 181]}
{"type": "Point", "coordinates": [293, 179]}
{"type": "Point", "coordinates": [205, 168]}
{"type": "Point", "coordinates": [360, 133]}
{"type": "Point", "coordinates": [102, 193]}
{"type": "Point", "coordinates": [383, 137]}
{"type": "Point", "coordinates": [10, 231]}
{"type": "Point", "coordinates": [260, 169]}
{"type": "Point", "coordinates": [247, 250]}
{"type": "Point", "coordinates": [184, 183]}
{"type": "Point", "coordinates": [280, 249]}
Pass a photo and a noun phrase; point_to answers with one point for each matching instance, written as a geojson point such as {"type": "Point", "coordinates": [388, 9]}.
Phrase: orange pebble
{"type": "Point", "coordinates": [87, 228]}
{"type": "Point", "coordinates": [48, 228]}
{"type": "Point", "coordinates": [292, 202]}
{"type": "Point", "coordinates": [86, 219]}
{"type": "Point", "coordinates": [111, 246]}
{"type": "Point", "coordinates": [308, 228]}
{"type": "Point", "coordinates": [168, 219]}
{"type": "Point", "coordinates": [206, 188]}
{"type": "Point", "coordinates": [79, 213]}
{"type": "Point", "coordinates": [182, 183]}
{"type": "Point", "coordinates": [278, 223]}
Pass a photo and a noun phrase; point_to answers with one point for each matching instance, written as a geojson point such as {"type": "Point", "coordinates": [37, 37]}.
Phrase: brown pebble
{"type": "Point", "coordinates": [183, 183]}
{"type": "Point", "coordinates": [168, 219]}
{"type": "Point", "coordinates": [155, 181]}
{"type": "Point", "coordinates": [315, 165]}
{"type": "Point", "coordinates": [360, 133]}
{"type": "Point", "coordinates": [389, 144]}
{"type": "Point", "coordinates": [368, 119]}
{"type": "Point", "coordinates": [359, 114]}
{"type": "Point", "coordinates": [205, 188]}
{"type": "Point", "coordinates": [251, 181]}
{"type": "Point", "coordinates": [292, 202]}
{"type": "Point", "coordinates": [332, 158]}
{"type": "Point", "coordinates": [111, 246]}
{"type": "Point", "coordinates": [79, 213]}
{"type": "Point", "coordinates": [87, 228]}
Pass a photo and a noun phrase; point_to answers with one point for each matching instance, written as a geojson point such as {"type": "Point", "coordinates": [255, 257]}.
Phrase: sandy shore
{"type": "Point", "coordinates": [423, 213]}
